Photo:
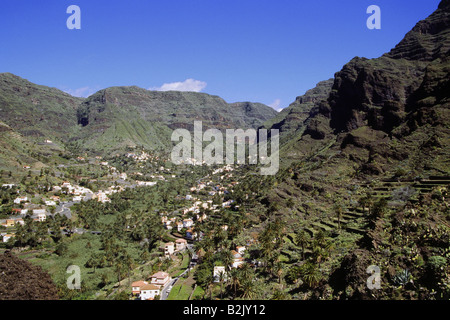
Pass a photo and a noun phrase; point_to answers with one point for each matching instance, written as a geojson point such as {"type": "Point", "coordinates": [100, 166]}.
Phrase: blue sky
{"type": "Point", "coordinates": [268, 51]}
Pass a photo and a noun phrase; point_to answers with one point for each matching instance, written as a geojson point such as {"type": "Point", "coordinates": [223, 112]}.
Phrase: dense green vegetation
{"type": "Point", "coordinates": [363, 186]}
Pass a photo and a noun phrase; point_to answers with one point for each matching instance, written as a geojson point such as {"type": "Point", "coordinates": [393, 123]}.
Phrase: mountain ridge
{"type": "Point", "coordinates": [116, 117]}
{"type": "Point", "coordinates": [376, 106]}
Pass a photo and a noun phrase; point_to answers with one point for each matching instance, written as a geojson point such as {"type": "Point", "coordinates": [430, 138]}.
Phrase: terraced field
{"type": "Point", "coordinates": [354, 220]}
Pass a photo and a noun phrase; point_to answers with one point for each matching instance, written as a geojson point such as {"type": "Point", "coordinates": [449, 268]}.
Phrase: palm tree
{"type": "Point", "coordinates": [339, 211]}
{"type": "Point", "coordinates": [219, 237]}
{"type": "Point", "coordinates": [279, 295]}
{"type": "Point", "coordinates": [379, 208]}
{"type": "Point", "coordinates": [245, 271]}
{"type": "Point", "coordinates": [205, 278]}
{"type": "Point", "coordinates": [235, 280]}
{"type": "Point", "coordinates": [278, 268]}
{"type": "Point", "coordinates": [320, 238]}
{"type": "Point", "coordinates": [367, 202]}
{"type": "Point", "coordinates": [128, 261]}
{"type": "Point", "coordinates": [319, 253]}
{"type": "Point", "coordinates": [302, 240]}
{"type": "Point", "coordinates": [209, 284]}
{"type": "Point", "coordinates": [363, 203]}
{"type": "Point", "coordinates": [221, 280]}
{"type": "Point", "coordinates": [321, 247]}
{"type": "Point", "coordinates": [227, 258]}
{"type": "Point", "coordinates": [311, 274]}
{"type": "Point", "coordinates": [248, 289]}
{"type": "Point", "coordinates": [93, 262]}
{"type": "Point", "coordinates": [118, 268]}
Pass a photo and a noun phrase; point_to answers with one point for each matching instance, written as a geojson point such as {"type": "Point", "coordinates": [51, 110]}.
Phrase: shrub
{"type": "Point", "coordinates": [61, 249]}
{"type": "Point", "coordinates": [400, 172]}
{"type": "Point", "coordinates": [437, 262]}
{"type": "Point", "coordinates": [401, 278]}
{"type": "Point", "coordinates": [434, 271]}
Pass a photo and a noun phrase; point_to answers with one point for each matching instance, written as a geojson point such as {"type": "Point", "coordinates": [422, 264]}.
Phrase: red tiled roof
{"type": "Point", "coordinates": [149, 287]}
{"type": "Point", "coordinates": [160, 275]}
{"type": "Point", "coordinates": [139, 283]}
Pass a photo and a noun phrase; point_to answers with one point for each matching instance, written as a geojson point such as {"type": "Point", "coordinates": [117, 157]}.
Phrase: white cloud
{"type": "Point", "coordinates": [187, 85]}
{"type": "Point", "coordinates": [276, 105]}
{"type": "Point", "coordinates": [83, 92]}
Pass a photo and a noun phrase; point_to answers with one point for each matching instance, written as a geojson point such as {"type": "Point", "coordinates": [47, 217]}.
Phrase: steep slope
{"type": "Point", "coordinates": [293, 117]}
{"type": "Point", "coordinates": [370, 171]}
{"type": "Point", "coordinates": [13, 149]}
{"type": "Point", "coordinates": [117, 117]}
{"type": "Point", "coordinates": [29, 115]}
{"type": "Point", "coordinates": [293, 120]}
{"type": "Point", "coordinates": [387, 109]}
{"type": "Point", "coordinates": [113, 118]}
{"type": "Point", "coordinates": [253, 114]}
{"type": "Point", "coordinates": [36, 111]}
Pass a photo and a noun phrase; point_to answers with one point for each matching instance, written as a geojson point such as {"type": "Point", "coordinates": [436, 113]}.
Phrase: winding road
{"type": "Point", "coordinates": [166, 290]}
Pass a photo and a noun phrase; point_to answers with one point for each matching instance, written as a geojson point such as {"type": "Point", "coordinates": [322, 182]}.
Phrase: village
{"type": "Point", "coordinates": [184, 227]}
{"type": "Point", "coordinates": [181, 224]}
{"type": "Point", "coordinates": [60, 198]}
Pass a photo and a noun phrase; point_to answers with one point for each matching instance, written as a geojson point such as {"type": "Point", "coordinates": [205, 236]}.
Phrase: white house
{"type": "Point", "coordinates": [102, 197]}
{"type": "Point", "coordinates": [137, 285]}
{"type": "Point", "coordinates": [66, 184]}
{"type": "Point", "coordinates": [227, 203]}
{"type": "Point", "coordinates": [149, 292]}
{"type": "Point", "coordinates": [240, 249]}
{"type": "Point", "coordinates": [180, 244]}
{"type": "Point", "coordinates": [237, 259]}
{"type": "Point", "coordinates": [20, 200]}
{"type": "Point", "coordinates": [202, 217]}
{"type": "Point", "coordinates": [6, 237]}
{"type": "Point", "coordinates": [146, 183]}
{"type": "Point", "coordinates": [169, 249]}
{"type": "Point", "coordinates": [168, 224]}
{"type": "Point", "coordinates": [201, 186]}
{"type": "Point", "coordinates": [39, 215]}
{"type": "Point", "coordinates": [39, 211]}
{"type": "Point", "coordinates": [188, 223]}
{"type": "Point", "coordinates": [160, 279]}
{"type": "Point", "coordinates": [217, 271]}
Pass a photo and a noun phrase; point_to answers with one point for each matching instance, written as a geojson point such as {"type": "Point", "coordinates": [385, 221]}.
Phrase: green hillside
{"type": "Point", "coordinates": [114, 118]}
{"type": "Point", "coordinates": [36, 111]}
{"type": "Point", "coordinates": [128, 116]}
